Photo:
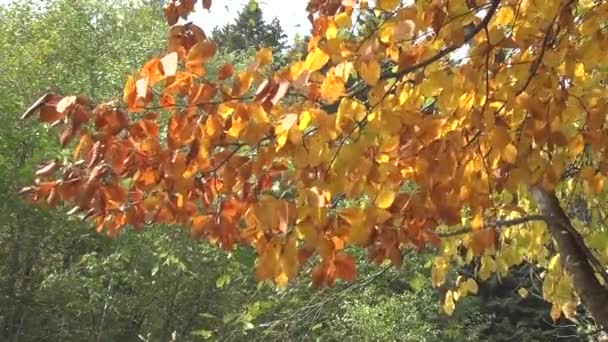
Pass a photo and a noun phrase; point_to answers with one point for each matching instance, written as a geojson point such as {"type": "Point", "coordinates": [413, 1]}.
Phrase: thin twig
{"type": "Point", "coordinates": [496, 224]}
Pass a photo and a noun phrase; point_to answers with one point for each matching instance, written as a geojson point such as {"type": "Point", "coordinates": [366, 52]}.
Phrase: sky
{"type": "Point", "coordinates": [291, 13]}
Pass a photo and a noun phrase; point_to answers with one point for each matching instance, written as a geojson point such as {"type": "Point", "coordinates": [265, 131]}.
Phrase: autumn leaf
{"type": "Point", "coordinates": [198, 55]}
{"type": "Point", "coordinates": [369, 71]}
{"type": "Point", "coordinates": [332, 87]}
{"type": "Point", "coordinates": [264, 56]}
{"type": "Point", "coordinates": [385, 199]}
{"type": "Point", "coordinates": [225, 71]}
{"type": "Point", "coordinates": [169, 64]}
{"type": "Point", "coordinates": [315, 60]}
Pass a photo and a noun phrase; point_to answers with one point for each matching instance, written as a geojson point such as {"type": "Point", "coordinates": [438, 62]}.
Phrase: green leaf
{"type": "Point", "coordinates": [417, 282]}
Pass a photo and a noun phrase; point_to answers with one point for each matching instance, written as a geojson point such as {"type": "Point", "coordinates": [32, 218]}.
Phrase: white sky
{"type": "Point", "coordinates": [291, 13]}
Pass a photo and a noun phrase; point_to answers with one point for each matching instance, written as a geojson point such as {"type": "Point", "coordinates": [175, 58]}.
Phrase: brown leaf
{"type": "Point", "coordinates": [40, 102]}
{"type": "Point", "coordinates": [171, 14]}
{"type": "Point", "coordinates": [65, 103]}
{"type": "Point", "coordinates": [263, 90]}
{"type": "Point", "coordinates": [185, 7]}
{"type": "Point", "coordinates": [48, 169]}
{"type": "Point", "coordinates": [345, 267]}
{"type": "Point", "coordinates": [280, 92]}
{"type": "Point", "coordinates": [66, 136]}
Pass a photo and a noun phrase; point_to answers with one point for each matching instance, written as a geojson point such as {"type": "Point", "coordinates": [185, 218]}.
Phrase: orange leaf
{"type": "Point", "coordinates": [199, 54]}
{"type": "Point", "coordinates": [225, 71]}
{"type": "Point", "coordinates": [199, 224]}
{"type": "Point", "coordinates": [169, 64]}
{"type": "Point", "coordinates": [482, 240]}
{"type": "Point", "coordinates": [130, 95]}
{"type": "Point", "coordinates": [153, 70]}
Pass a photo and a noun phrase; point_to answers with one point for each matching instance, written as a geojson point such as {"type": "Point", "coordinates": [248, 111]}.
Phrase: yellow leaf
{"type": "Point", "coordinates": [238, 125]}
{"type": "Point", "coordinates": [306, 231]}
{"type": "Point", "coordinates": [304, 120]}
{"type": "Point", "coordinates": [385, 199]}
{"type": "Point", "coordinates": [269, 264]}
{"type": "Point", "coordinates": [477, 221]}
{"type": "Point", "coordinates": [315, 60]}
{"type": "Point", "coordinates": [576, 146]}
{"type": "Point", "coordinates": [488, 266]}
{"type": "Point", "coordinates": [370, 71]}
{"type": "Point", "coordinates": [439, 271]}
{"type": "Point", "coordinates": [556, 312]}
{"type": "Point", "coordinates": [360, 234]}
{"type": "Point", "coordinates": [332, 87]}
{"type": "Point", "coordinates": [554, 263]}
{"type": "Point", "coordinates": [500, 138]}
{"type": "Point", "coordinates": [523, 293]}
{"type": "Point", "coordinates": [332, 30]}
{"type": "Point", "coordinates": [343, 20]}
{"type": "Point", "coordinates": [264, 56]}
{"type": "Point", "coordinates": [471, 286]}
{"type": "Point", "coordinates": [449, 305]}
{"type": "Point", "coordinates": [504, 15]}
{"type": "Point", "coordinates": [509, 155]}
{"type": "Point", "coordinates": [387, 5]}
{"type": "Point", "coordinates": [343, 70]}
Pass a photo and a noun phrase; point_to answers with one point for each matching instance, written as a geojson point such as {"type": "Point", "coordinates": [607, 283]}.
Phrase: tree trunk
{"type": "Point", "coordinates": [592, 293]}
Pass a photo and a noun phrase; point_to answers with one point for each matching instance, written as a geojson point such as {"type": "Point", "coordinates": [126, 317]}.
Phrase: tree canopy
{"type": "Point", "coordinates": [472, 128]}
{"type": "Point", "coordinates": [250, 31]}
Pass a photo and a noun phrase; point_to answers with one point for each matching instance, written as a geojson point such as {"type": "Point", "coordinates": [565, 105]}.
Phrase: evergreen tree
{"type": "Point", "coordinates": [250, 31]}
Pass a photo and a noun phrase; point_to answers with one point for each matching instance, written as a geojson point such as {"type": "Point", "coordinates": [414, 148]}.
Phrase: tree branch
{"type": "Point", "coordinates": [574, 257]}
{"type": "Point", "coordinates": [496, 224]}
{"type": "Point", "coordinates": [444, 52]}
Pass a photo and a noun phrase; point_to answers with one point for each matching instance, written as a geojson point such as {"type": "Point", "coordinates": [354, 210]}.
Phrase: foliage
{"type": "Point", "coordinates": [493, 109]}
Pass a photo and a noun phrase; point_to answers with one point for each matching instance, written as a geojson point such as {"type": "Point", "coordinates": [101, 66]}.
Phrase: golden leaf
{"type": "Point", "coordinates": [264, 56]}
{"type": "Point", "coordinates": [509, 154]}
{"type": "Point", "coordinates": [448, 304]}
{"type": "Point", "coordinates": [315, 60]}
{"type": "Point", "coordinates": [332, 87]}
{"type": "Point", "coordinates": [370, 71]}
{"type": "Point", "coordinates": [385, 199]}
{"type": "Point", "coordinates": [387, 5]}
{"type": "Point", "coordinates": [343, 20]}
